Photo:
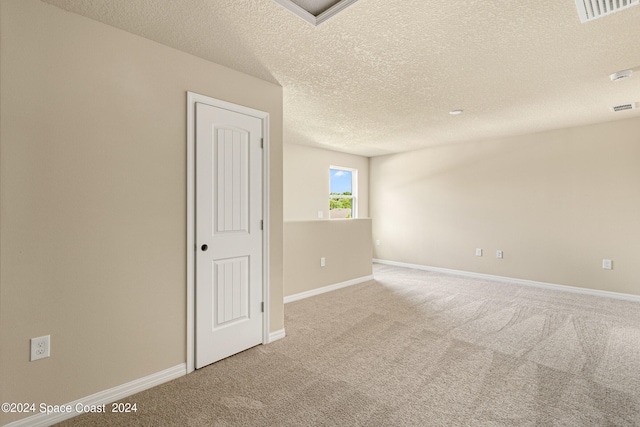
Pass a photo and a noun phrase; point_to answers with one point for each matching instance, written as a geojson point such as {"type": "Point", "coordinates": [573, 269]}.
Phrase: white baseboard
{"type": "Point", "coordinates": [276, 335]}
{"type": "Point", "coordinates": [314, 292]}
{"type": "Point", "coordinates": [104, 397]}
{"type": "Point", "coordinates": [564, 288]}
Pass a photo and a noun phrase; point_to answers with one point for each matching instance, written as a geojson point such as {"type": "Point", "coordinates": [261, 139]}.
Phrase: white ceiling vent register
{"type": "Point", "coordinates": [316, 11]}
{"type": "Point", "coordinates": [624, 107]}
{"type": "Point", "coordinates": [621, 75]}
{"type": "Point", "coordinates": [594, 9]}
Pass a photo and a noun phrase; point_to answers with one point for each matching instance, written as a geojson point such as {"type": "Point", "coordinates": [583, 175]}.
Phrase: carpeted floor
{"type": "Point", "coordinates": [419, 348]}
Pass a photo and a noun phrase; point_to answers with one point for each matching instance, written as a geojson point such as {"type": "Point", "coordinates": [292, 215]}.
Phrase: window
{"type": "Point", "coordinates": [343, 192]}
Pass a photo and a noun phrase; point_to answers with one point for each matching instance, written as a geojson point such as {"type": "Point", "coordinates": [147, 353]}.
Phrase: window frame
{"type": "Point", "coordinates": [354, 190]}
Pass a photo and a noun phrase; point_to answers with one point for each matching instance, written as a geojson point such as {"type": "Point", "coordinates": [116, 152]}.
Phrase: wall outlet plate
{"type": "Point", "coordinates": [478, 251]}
{"type": "Point", "coordinates": [607, 264]}
{"type": "Point", "coordinates": [40, 347]}
{"type": "Point", "coordinates": [499, 254]}
{"type": "Point", "coordinates": [322, 262]}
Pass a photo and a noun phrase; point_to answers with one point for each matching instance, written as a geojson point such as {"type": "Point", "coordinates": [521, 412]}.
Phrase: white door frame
{"type": "Point", "coordinates": [192, 99]}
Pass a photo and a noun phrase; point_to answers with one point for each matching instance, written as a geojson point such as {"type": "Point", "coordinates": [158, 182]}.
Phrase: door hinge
{"type": "Point", "coordinates": [262, 224]}
{"type": "Point", "coordinates": [262, 307]}
{"type": "Point", "coordinates": [261, 142]}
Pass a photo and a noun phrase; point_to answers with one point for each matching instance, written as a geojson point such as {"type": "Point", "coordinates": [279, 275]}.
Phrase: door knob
{"type": "Point", "coordinates": [204, 247]}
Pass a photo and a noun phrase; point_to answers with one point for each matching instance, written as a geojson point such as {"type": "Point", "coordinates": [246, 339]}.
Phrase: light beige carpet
{"type": "Point", "coordinates": [424, 349]}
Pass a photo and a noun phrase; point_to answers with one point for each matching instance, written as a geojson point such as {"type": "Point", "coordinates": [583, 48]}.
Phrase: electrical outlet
{"type": "Point", "coordinates": [320, 214]}
{"type": "Point", "coordinates": [478, 251]}
{"type": "Point", "coordinates": [607, 264]}
{"type": "Point", "coordinates": [498, 254]}
{"type": "Point", "coordinates": [322, 262]}
{"type": "Point", "coordinates": [40, 347]}
{"type": "Point", "coordinates": [377, 242]}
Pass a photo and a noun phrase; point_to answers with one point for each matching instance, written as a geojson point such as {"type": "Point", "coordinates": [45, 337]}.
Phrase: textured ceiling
{"type": "Point", "coordinates": [382, 75]}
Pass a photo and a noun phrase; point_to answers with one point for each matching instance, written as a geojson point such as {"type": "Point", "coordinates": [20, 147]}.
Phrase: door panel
{"type": "Point", "coordinates": [231, 290]}
{"type": "Point", "coordinates": [228, 233]}
{"type": "Point", "coordinates": [231, 196]}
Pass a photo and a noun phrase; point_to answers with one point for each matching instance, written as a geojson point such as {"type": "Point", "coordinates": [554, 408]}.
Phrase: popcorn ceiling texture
{"type": "Point", "coordinates": [381, 76]}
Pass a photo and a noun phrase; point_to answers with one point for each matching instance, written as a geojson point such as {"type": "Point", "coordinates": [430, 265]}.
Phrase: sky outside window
{"type": "Point", "coordinates": [340, 181]}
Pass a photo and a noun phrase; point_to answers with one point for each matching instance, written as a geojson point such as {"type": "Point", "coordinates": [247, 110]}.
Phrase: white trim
{"type": "Point", "coordinates": [104, 397]}
{"type": "Point", "coordinates": [334, 10]}
{"type": "Point", "coordinates": [532, 283]}
{"type": "Point", "coordinates": [276, 335]}
{"type": "Point", "coordinates": [192, 99]}
{"type": "Point", "coordinates": [318, 291]}
{"type": "Point", "coordinates": [315, 19]}
{"type": "Point", "coordinates": [266, 320]}
{"type": "Point", "coordinates": [191, 227]}
{"type": "Point", "coordinates": [297, 10]}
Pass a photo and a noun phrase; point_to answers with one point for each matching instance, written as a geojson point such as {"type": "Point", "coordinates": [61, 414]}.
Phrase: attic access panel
{"type": "Point", "coordinates": [315, 11]}
{"type": "Point", "coordinates": [588, 10]}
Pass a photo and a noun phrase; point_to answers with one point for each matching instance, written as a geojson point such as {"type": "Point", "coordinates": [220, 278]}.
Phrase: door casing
{"type": "Point", "coordinates": [192, 99]}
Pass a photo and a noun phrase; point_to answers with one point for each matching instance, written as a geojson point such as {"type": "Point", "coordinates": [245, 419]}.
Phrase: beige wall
{"type": "Point", "coordinates": [556, 203]}
{"type": "Point", "coordinates": [93, 200]}
{"type": "Point", "coordinates": [344, 243]}
{"type": "Point", "coordinates": [306, 181]}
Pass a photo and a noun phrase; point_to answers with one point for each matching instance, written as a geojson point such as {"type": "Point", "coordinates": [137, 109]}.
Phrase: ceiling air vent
{"type": "Point", "coordinates": [620, 75]}
{"type": "Point", "coordinates": [594, 9]}
{"type": "Point", "coordinates": [623, 107]}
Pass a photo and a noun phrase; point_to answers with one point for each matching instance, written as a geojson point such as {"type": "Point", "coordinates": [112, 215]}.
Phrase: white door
{"type": "Point", "coordinates": [228, 274]}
